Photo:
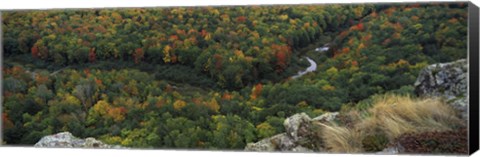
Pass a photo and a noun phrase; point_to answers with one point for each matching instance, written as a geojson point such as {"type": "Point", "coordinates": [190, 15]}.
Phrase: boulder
{"type": "Point", "coordinates": [283, 142]}
{"type": "Point", "coordinates": [267, 144]}
{"type": "Point", "coordinates": [67, 140]}
{"type": "Point", "coordinates": [264, 145]}
{"type": "Point", "coordinates": [296, 123]}
{"type": "Point", "coordinates": [447, 80]}
{"type": "Point", "coordinates": [298, 135]}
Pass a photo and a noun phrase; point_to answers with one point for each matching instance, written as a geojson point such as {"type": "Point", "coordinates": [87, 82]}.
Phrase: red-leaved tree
{"type": "Point", "coordinates": [138, 55]}
{"type": "Point", "coordinates": [92, 55]}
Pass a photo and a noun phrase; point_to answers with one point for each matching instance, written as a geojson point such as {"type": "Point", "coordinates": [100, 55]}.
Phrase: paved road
{"type": "Point", "coordinates": [311, 68]}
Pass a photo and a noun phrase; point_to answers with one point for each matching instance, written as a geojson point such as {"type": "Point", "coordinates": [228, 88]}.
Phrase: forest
{"type": "Point", "coordinates": [210, 77]}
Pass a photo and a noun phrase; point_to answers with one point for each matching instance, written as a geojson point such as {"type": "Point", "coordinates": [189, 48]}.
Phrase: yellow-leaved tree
{"type": "Point", "coordinates": [166, 54]}
{"type": "Point", "coordinates": [179, 104]}
{"type": "Point", "coordinates": [213, 105]}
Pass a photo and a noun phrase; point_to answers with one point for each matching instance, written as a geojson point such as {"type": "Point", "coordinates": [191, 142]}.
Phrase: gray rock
{"type": "Point", "coordinates": [279, 142]}
{"type": "Point", "coordinates": [461, 104]}
{"type": "Point", "coordinates": [264, 146]}
{"type": "Point", "coordinates": [296, 138]}
{"type": "Point", "coordinates": [67, 140]}
{"type": "Point", "coordinates": [284, 142]}
{"type": "Point", "coordinates": [267, 144]}
{"type": "Point", "coordinates": [301, 149]}
{"type": "Point", "coordinates": [326, 117]}
{"type": "Point", "coordinates": [444, 79]}
{"type": "Point", "coordinates": [294, 123]}
{"type": "Point", "coordinates": [447, 80]}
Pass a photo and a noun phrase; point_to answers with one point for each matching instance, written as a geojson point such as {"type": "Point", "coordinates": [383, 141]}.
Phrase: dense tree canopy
{"type": "Point", "coordinates": [234, 42]}
{"type": "Point", "coordinates": [210, 77]}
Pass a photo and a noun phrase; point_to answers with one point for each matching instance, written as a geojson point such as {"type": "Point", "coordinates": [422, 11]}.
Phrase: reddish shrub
{"type": "Point", "coordinates": [451, 142]}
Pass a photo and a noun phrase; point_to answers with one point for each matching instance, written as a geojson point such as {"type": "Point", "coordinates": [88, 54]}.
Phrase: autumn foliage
{"type": "Point", "coordinates": [357, 27]}
{"type": "Point", "coordinates": [282, 53]}
{"type": "Point", "coordinates": [91, 55]}
{"type": "Point", "coordinates": [257, 90]}
{"type": "Point", "coordinates": [341, 52]}
{"type": "Point", "coordinates": [221, 77]}
{"type": "Point", "coordinates": [35, 51]}
{"type": "Point", "coordinates": [138, 55]}
{"type": "Point", "coordinates": [6, 122]}
{"type": "Point", "coordinates": [241, 19]}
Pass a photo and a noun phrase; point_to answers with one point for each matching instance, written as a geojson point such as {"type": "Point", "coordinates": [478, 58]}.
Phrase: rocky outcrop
{"type": "Point", "coordinates": [67, 140]}
{"type": "Point", "coordinates": [295, 124]}
{"type": "Point", "coordinates": [298, 136]}
{"type": "Point", "coordinates": [326, 117]}
{"type": "Point", "coordinates": [448, 80]}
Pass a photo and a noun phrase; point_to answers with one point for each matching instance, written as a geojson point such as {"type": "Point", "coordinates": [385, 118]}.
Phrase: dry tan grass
{"type": "Point", "coordinates": [341, 139]}
{"type": "Point", "coordinates": [393, 116]}
{"type": "Point", "coordinates": [396, 115]}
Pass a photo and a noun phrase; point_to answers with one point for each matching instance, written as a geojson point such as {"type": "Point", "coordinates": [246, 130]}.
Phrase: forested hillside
{"type": "Point", "coordinates": [234, 45]}
{"type": "Point", "coordinates": [210, 77]}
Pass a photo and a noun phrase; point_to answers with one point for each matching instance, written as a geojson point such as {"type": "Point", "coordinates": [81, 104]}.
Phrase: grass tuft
{"type": "Point", "coordinates": [342, 139]}
{"type": "Point", "coordinates": [390, 116]}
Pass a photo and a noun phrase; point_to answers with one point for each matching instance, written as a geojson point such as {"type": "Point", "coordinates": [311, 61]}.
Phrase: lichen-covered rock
{"type": "Point", "coordinates": [326, 117]}
{"type": "Point", "coordinates": [461, 104]}
{"type": "Point", "coordinates": [283, 142]}
{"type": "Point", "coordinates": [67, 140]}
{"type": "Point", "coordinates": [444, 79]}
{"type": "Point", "coordinates": [298, 135]}
{"type": "Point", "coordinates": [296, 123]}
{"type": "Point", "coordinates": [448, 80]}
{"type": "Point", "coordinates": [266, 144]}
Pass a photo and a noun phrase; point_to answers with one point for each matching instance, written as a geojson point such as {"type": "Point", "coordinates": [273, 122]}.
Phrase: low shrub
{"type": "Point", "coordinates": [375, 143]}
{"type": "Point", "coordinates": [446, 142]}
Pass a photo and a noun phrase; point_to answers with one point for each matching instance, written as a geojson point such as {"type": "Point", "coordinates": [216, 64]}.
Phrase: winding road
{"type": "Point", "coordinates": [311, 68]}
